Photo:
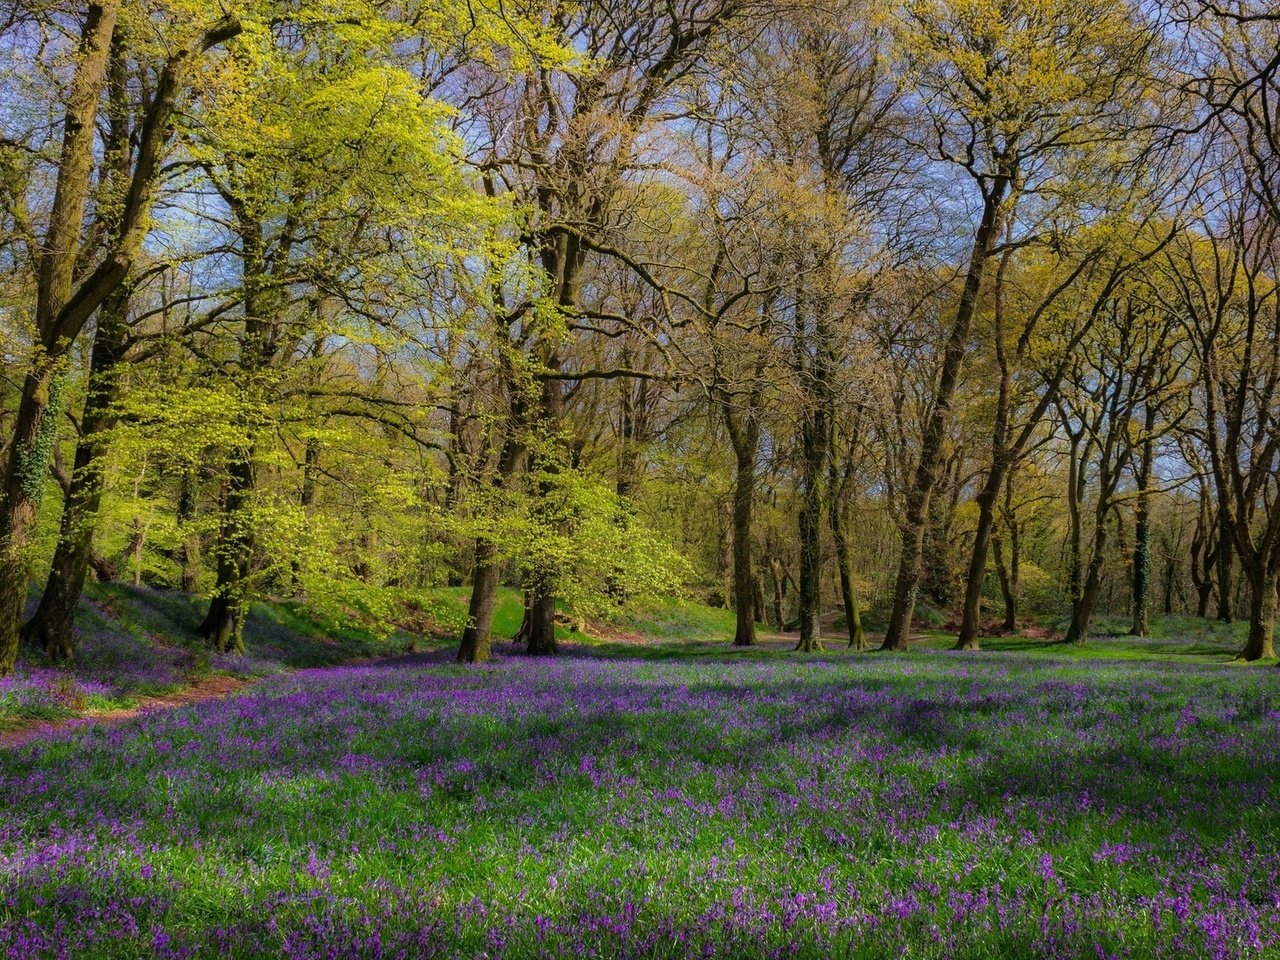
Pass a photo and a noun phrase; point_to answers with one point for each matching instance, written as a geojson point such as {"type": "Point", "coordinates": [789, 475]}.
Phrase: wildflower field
{"type": "Point", "coordinates": [921, 805]}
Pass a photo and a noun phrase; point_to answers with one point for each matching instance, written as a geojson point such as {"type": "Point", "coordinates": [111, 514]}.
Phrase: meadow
{"type": "Point", "coordinates": [607, 804]}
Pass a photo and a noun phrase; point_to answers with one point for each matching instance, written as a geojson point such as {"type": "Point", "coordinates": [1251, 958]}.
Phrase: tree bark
{"type": "Point", "coordinates": [542, 609]}
{"type": "Point", "coordinates": [1262, 605]}
{"type": "Point", "coordinates": [1226, 557]}
{"type": "Point", "coordinates": [779, 594]}
{"type": "Point", "coordinates": [36, 426]}
{"type": "Point", "coordinates": [1008, 590]}
{"type": "Point", "coordinates": [1084, 603]}
{"type": "Point", "coordinates": [970, 614]}
{"type": "Point", "coordinates": [1204, 554]}
{"type": "Point", "coordinates": [1142, 535]}
{"type": "Point", "coordinates": [743, 576]}
{"type": "Point", "coordinates": [52, 627]}
{"type": "Point", "coordinates": [848, 586]}
{"type": "Point", "coordinates": [476, 645]}
{"type": "Point", "coordinates": [223, 625]}
{"type": "Point", "coordinates": [976, 575]}
{"type": "Point", "coordinates": [542, 624]}
{"type": "Point", "coordinates": [810, 562]}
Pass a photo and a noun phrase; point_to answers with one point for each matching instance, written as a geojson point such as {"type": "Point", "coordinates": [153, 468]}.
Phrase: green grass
{"type": "Point", "coordinates": [805, 806]}
{"type": "Point", "coordinates": [136, 642]}
{"type": "Point", "coordinates": [672, 618]}
{"type": "Point", "coordinates": [1174, 638]}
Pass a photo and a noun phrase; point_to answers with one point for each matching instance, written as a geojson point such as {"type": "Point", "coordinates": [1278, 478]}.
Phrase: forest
{"type": "Point", "coordinates": [459, 458]}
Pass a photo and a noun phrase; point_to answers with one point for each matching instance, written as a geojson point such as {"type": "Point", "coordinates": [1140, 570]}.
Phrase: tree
{"type": "Point", "coordinates": [66, 293]}
{"type": "Point", "coordinates": [1113, 408]}
{"type": "Point", "coordinates": [561, 143]}
{"type": "Point", "coordinates": [1008, 91]}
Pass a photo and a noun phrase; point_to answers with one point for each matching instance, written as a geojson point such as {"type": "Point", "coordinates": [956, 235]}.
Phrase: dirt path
{"type": "Point", "coordinates": [210, 688]}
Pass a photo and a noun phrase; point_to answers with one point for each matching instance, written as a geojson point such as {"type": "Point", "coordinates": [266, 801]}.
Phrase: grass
{"type": "Point", "coordinates": [681, 620]}
{"type": "Point", "coordinates": [135, 642]}
{"type": "Point", "coordinates": [1172, 639]}
{"type": "Point", "coordinates": [138, 642]}
{"type": "Point", "coordinates": [924, 805]}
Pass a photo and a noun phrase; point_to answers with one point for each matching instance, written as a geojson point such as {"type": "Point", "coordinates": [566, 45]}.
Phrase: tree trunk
{"type": "Point", "coordinates": [542, 624]}
{"type": "Point", "coordinates": [848, 586]}
{"type": "Point", "coordinates": [1226, 557]}
{"type": "Point", "coordinates": [1075, 521]}
{"type": "Point", "coordinates": [223, 625]}
{"type": "Point", "coordinates": [475, 646]}
{"type": "Point", "coordinates": [1204, 593]}
{"type": "Point", "coordinates": [779, 594]}
{"type": "Point", "coordinates": [1203, 556]}
{"type": "Point", "coordinates": [743, 579]}
{"type": "Point", "coordinates": [1082, 610]}
{"type": "Point", "coordinates": [1142, 533]}
{"type": "Point", "coordinates": [1083, 605]}
{"type": "Point", "coordinates": [810, 563]}
{"type": "Point", "coordinates": [970, 615]}
{"type": "Point", "coordinates": [971, 612]}
{"type": "Point", "coordinates": [52, 626]}
{"type": "Point", "coordinates": [926, 476]}
{"type": "Point", "coordinates": [37, 432]}
{"type": "Point", "coordinates": [1007, 588]}
{"type": "Point", "coordinates": [36, 427]}
{"type": "Point", "coordinates": [1262, 603]}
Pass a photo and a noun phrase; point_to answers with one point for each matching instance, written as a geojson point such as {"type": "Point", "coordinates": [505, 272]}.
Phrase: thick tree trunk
{"type": "Point", "coordinates": [976, 575]}
{"type": "Point", "coordinates": [475, 646]}
{"type": "Point", "coordinates": [1009, 575]}
{"type": "Point", "coordinates": [542, 624]}
{"type": "Point", "coordinates": [53, 625]}
{"type": "Point", "coordinates": [1075, 522]}
{"type": "Point", "coordinates": [31, 452]}
{"type": "Point", "coordinates": [743, 579]}
{"type": "Point", "coordinates": [541, 613]}
{"type": "Point", "coordinates": [223, 625]}
{"type": "Point", "coordinates": [1082, 610]}
{"type": "Point", "coordinates": [1084, 604]}
{"type": "Point", "coordinates": [36, 423]}
{"type": "Point", "coordinates": [926, 476]}
{"type": "Point", "coordinates": [1204, 592]}
{"type": "Point", "coordinates": [1203, 556]}
{"type": "Point", "coordinates": [1262, 605]}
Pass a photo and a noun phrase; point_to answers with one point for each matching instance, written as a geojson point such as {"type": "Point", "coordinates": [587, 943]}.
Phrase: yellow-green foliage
{"type": "Point", "coordinates": [578, 538]}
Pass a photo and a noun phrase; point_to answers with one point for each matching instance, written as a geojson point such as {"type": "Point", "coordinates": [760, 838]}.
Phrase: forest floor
{"type": "Point", "coordinates": [624, 800]}
{"type": "Point", "coordinates": [138, 652]}
{"type": "Point", "coordinates": [23, 732]}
